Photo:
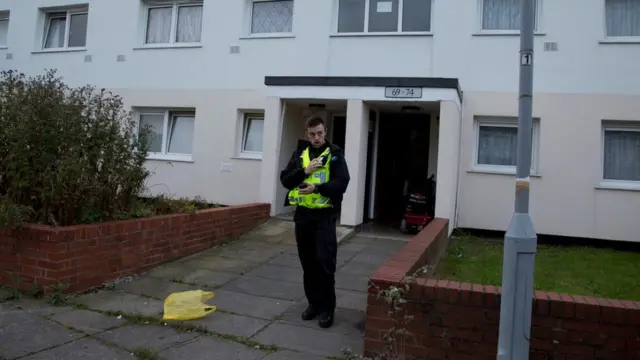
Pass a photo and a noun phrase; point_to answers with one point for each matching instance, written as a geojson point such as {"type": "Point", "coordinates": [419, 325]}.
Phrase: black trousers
{"type": "Point", "coordinates": [317, 248]}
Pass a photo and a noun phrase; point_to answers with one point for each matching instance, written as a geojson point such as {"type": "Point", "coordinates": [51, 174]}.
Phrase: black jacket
{"type": "Point", "coordinates": [293, 174]}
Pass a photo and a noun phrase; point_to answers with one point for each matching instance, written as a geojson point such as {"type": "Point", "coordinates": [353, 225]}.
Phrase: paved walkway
{"type": "Point", "coordinates": [258, 292]}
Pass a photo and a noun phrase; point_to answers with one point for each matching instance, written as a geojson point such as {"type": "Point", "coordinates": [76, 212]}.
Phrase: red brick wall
{"type": "Point", "coordinates": [84, 256]}
{"type": "Point", "coordinates": [454, 320]}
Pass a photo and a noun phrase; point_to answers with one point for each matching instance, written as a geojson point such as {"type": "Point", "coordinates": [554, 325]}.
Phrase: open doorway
{"type": "Point", "coordinates": [404, 142]}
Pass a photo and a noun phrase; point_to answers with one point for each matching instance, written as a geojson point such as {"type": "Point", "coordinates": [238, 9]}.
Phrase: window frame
{"type": "Point", "coordinates": [483, 31]}
{"type": "Point", "coordinates": [5, 15]}
{"type": "Point", "coordinates": [167, 114]}
{"type": "Point", "coordinates": [614, 39]}
{"type": "Point", "coordinates": [366, 32]}
{"type": "Point", "coordinates": [173, 31]}
{"type": "Point", "coordinates": [269, 34]}
{"type": "Point", "coordinates": [614, 183]}
{"type": "Point", "coordinates": [245, 118]}
{"type": "Point", "coordinates": [504, 121]}
{"type": "Point", "coordinates": [69, 12]}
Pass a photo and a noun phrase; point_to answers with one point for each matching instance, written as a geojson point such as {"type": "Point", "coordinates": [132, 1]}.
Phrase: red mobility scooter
{"type": "Point", "coordinates": [421, 203]}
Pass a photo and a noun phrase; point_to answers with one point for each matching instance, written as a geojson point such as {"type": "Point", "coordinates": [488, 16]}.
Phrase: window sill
{"type": "Point", "coordinates": [171, 158]}
{"type": "Point", "coordinates": [377, 34]}
{"type": "Point", "coordinates": [503, 33]}
{"type": "Point", "coordinates": [2, 47]}
{"type": "Point", "coordinates": [244, 156]}
{"type": "Point", "coordinates": [497, 171]}
{"type": "Point", "coordinates": [268, 36]}
{"type": "Point", "coordinates": [621, 40]}
{"type": "Point", "coordinates": [61, 50]}
{"type": "Point", "coordinates": [619, 185]}
{"type": "Point", "coordinates": [168, 46]}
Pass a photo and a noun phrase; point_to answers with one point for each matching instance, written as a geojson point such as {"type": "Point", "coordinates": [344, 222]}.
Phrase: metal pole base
{"type": "Point", "coordinates": [517, 288]}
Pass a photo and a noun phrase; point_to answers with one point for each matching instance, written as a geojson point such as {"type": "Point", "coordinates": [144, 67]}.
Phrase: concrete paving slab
{"type": "Point", "coordinates": [346, 321]}
{"type": "Point", "coordinates": [277, 272]}
{"type": "Point", "coordinates": [208, 348]}
{"type": "Point", "coordinates": [373, 259]}
{"type": "Point", "coordinates": [354, 300]}
{"type": "Point", "coordinates": [115, 301]}
{"type": "Point", "coordinates": [290, 260]}
{"type": "Point", "coordinates": [384, 247]}
{"type": "Point", "coordinates": [231, 324]}
{"type": "Point", "coordinates": [266, 287]}
{"type": "Point", "coordinates": [344, 256]}
{"type": "Point", "coordinates": [355, 268]}
{"type": "Point", "coordinates": [257, 253]}
{"type": "Point", "coordinates": [83, 349]}
{"type": "Point", "coordinates": [308, 340]}
{"type": "Point", "coordinates": [87, 321]}
{"type": "Point", "coordinates": [39, 306]}
{"type": "Point", "coordinates": [154, 337]}
{"type": "Point", "coordinates": [292, 355]}
{"type": "Point", "coordinates": [218, 263]}
{"type": "Point", "coordinates": [208, 278]}
{"type": "Point", "coordinates": [154, 287]}
{"type": "Point", "coordinates": [24, 333]}
{"type": "Point", "coordinates": [351, 282]}
{"type": "Point", "coordinates": [352, 246]}
{"type": "Point", "coordinates": [172, 271]}
{"type": "Point", "coordinates": [251, 305]}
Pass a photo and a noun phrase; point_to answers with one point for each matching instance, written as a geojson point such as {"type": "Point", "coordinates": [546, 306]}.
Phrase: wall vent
{"type": "Point", "coordinates": [550, 46]}
{"type": "Point", "coordinates": [121, 58]}
{"type": "Point", "coordinates": [234, 49]}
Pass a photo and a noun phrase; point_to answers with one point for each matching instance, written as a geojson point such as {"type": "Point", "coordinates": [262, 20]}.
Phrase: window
{"type": "Point", "coordinates": [173, 23]}
{"type": "Point", "coordinates": [4, 28]}
{"type": "Point", "coordinates": [496, 144]}
{"type": "Point", "coordinates": [252, 130]}
{"type": "Point", "coordinates": [271, 16]}
{"type": "Point", "coordinates": [171, 133]}
{"type": "Point", "coordinates": [503, 15]}
{"type": "Point", "coordinates": [65, 29]}
{"type": "Point", "coordinates": [622, 18]}
{"type": "Point", "coordinates": [621, 153]}
{"type": "Point", "coordinates": [375, 16]}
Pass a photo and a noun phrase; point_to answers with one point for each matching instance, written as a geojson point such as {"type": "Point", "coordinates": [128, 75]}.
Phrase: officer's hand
{"type": "Point", "coordinates": [308, 190]}
{"type": "Point", "coordinates": [314, 165]}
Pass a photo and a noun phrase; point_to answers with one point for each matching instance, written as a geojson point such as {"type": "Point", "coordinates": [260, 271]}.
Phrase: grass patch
{"type": "Point", "coordinates": [576, 270]}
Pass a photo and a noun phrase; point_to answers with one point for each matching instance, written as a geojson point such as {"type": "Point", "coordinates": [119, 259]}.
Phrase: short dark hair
{"type": "Point", "coordinates": [315, 121]}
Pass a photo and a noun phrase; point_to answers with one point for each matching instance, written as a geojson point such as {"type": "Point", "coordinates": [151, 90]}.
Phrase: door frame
{"type": "Point", "coordinates": [373, 172]}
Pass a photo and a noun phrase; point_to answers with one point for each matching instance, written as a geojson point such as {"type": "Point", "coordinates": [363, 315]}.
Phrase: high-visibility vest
{"type": "Point", "coordinates": [320, 176]}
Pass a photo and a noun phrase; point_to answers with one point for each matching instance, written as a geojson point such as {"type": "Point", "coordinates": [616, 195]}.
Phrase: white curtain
{"type": "Point", "coordinates": [4, 31]}
{"type": "Point", "coordinates": [497, 145]}
{"type": "Point", "coordinates": [622, 155]}
{"type": "Point", "coordinates": [55, 32]}
{"type": "Point", "coordinates": [159, 25]}
{"type": "Point", "coordinates": [253, 135]}
{"type": "Point", "coordinates": [155, 122]}
{"type": "Point", "coordinates": [623, 17]}
{"type": "Point", "coordinates": [181, 134]}
{"type": "Point", "coordinates": [189, 24]}
{"type": "Point", "coordinates": [501, 14]}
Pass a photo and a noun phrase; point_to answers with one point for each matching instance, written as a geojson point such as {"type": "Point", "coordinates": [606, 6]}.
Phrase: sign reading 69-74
{"type": "Point", "coordinates": [403, 92]}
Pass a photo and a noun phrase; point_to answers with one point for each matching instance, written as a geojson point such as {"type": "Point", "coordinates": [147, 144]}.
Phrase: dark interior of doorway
{"type": "Point", "coordinates": [403, 163]}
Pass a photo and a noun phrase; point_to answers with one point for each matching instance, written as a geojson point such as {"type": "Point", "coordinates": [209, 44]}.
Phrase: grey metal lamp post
{"type": "Point", "coordinates": [520, 241]}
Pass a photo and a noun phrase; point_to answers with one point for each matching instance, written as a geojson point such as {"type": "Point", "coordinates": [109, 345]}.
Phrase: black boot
{"type": "Point", "coordinates": [309, 314]}
{"type": "Point", "coordinates": [326, 319]}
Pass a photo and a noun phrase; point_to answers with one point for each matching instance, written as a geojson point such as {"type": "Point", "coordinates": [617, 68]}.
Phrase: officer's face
{"type": "Point", "coordinates": [316, 135]}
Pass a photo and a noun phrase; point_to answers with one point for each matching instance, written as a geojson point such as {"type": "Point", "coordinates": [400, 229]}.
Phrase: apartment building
{"type": "Point", "coordinates": [427, 87]}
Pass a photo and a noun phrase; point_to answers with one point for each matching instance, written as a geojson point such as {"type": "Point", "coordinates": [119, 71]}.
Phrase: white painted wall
{"type": "Point", "coordinates": [585, 81]}
{"type": "Point", "coordinates": [565, 198]}
{"type": "Point", "coordinates": [447, 166]}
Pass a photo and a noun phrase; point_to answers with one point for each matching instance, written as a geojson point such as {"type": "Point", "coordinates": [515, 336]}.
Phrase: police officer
{"type": "Point", "coordinates": [317, 177]}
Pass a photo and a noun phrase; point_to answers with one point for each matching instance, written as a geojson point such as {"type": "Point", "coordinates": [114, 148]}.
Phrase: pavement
{"type": "Point", "coordinates": [257, 282]}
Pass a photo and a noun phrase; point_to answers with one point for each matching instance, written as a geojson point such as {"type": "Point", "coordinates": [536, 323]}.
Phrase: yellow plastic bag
{"type": "Point", "coordinates": [188, 305]}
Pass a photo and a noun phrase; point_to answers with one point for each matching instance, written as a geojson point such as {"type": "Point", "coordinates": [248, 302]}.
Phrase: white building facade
{"type": "Point", "coordinates": [228, 84]}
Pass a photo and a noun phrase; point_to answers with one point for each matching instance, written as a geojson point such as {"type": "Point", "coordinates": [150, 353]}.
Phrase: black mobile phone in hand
{"type": "Point", "coordinates": [303, 185]}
